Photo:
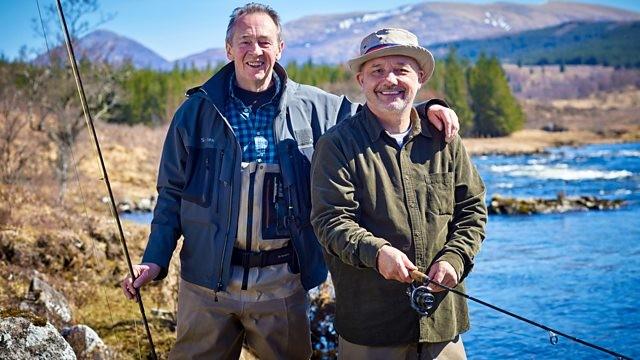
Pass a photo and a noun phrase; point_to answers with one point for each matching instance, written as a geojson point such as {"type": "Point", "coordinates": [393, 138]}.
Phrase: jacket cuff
{"type": "Point", "coordinates": [369, 249]}
{"type": "Point", "coordinates": [150, 257]}
{"type": "Point", "coordinates": [431, 102]}
{"type": "Point", "coordinates": [456, 261]}
{"type": "Point", "coordinates": [159, 252]}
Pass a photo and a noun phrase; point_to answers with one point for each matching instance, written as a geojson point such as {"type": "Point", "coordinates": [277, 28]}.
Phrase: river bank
{"type": "Point", "coordinates": [531, 141]}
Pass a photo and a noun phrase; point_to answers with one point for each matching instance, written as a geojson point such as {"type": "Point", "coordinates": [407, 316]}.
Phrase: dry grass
{"type": "Point", "coordinates": [609, 114]}
{"type": "Point", "coordinates": [532, 141]}
{"type": "Point", "coordinates": [131, 154]}
{"type": "Point", "coordinates": [612, 116]}
{"type": "Point", "coordinates": [576, 82]}
{"type": "Point", "coordinates": [74, 245]}
{"type": "Point", "coordinates": [78, 252]}
{"type": "Point", "coordinates": [118, 321]}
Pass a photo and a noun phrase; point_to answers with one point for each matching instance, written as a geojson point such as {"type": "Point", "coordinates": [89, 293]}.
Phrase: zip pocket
{"type": "Point", "coordinates": [202, 173]}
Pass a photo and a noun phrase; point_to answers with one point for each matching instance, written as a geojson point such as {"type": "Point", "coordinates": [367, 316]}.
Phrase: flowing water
{"type": "Point", "coordinates": [578, 272]}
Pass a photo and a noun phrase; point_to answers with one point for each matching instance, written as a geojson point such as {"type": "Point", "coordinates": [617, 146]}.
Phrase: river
{"type": "Point", "coordinates": [576, 272]}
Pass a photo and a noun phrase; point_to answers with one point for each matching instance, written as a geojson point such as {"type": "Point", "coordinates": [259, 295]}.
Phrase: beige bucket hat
{"type": "Point", "coordinates": [392, 41]}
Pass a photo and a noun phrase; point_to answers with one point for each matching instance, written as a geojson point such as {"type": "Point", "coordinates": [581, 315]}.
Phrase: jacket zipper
{"type": "Point", "coordinates": [224, 248]}
{"type": "Point", "coordinates": [206, 162]}
{"type": "Point", "coordinates": [229, 209]}
{"type": "Point", "coordinates": [220, 161]}
{"type": "Point", "coordinates": [230, 202]}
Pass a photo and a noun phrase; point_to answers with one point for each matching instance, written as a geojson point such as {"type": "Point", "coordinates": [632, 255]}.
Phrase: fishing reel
{"type": "Point", "coordinates": [420, 298]}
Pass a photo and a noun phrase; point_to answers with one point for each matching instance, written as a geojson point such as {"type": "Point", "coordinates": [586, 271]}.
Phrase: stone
{"type": "Point", "coordinates": [47, 302]}
{"type": "Point", "coordinates": [512, 206]}
{"type": "Point", "coordinates": [165, 317]}
{"type": "Point", "coordinates": [20, 338]}
{"type": "Point", "coordinates": [86, 343]}
{"type": "Point", "coordinates": [125, 207]}
{"type": "Point", "coordinates": [553, 127]}
{"type": "Point", "coordinates": [146, 204]}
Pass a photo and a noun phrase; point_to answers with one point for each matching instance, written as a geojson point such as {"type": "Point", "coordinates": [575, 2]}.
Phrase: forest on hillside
{"type": "Point", "coordinates": [573, 43]}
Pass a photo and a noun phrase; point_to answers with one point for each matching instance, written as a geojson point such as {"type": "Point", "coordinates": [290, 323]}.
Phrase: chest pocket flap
{"type": "Point", "coordinates": [440, 193]}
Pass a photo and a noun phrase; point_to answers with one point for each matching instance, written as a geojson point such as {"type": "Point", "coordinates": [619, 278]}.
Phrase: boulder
{"type": "Point", "coordinates": [47, 302]}
{"type": "Point", "coordinates": [146, 204]}
{"type": "Point", "coordinates": [125, 207]}
{"type": "Point", "coordinates": [86, 343]}
{"type": "Point", "coordinates": [553, 127]}
{"type": "Point", "coordinates": [26, 336]}
{"type": "Point", "coordinates": [512, 206]}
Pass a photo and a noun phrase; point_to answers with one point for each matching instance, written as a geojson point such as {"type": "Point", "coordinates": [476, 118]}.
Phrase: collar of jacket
{"type": "Point", "coordinates": [233, 82]}
{"type": "Point", "coordinates": [216, 88]}
{"type": "Point", "coordinates": [374, 129]}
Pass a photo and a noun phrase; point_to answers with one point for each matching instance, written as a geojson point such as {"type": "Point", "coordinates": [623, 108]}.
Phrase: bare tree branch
{"type": "Point", "coordinates": [15, 151]}
{"type": "Point", "coordinates": [54, 108]}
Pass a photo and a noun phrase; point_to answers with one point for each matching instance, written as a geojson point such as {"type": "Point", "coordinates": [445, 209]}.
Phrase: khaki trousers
{"type": "Point", "coordinates": [449, 350]}
{"type": "Point", "coordinates": [273, 329]}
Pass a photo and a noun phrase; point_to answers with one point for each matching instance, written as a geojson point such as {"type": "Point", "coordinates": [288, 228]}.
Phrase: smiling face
{"type": "Point", "coordinates": [254, 48]}
{"type": "Point", "coordinates": [390, 84]}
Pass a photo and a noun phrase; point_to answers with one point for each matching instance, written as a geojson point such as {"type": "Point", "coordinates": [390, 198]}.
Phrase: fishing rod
{"type": "Point", "coordinates": [105, 176]}
{"type": "Point", "coordinates": [422, 301]}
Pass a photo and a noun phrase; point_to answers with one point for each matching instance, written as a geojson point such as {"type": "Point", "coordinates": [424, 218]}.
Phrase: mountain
{"type": "Point", "coordinates": [335, 38]}
{"type": "Point", "coordinates": [604, 43]}
{"type": "Point", "coordinates": [104, 45]}
{"type": "Point", "coordinates": [201, 60]}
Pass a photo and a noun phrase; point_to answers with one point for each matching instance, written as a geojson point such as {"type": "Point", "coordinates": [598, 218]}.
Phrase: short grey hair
{"type": "Point", "coordinates": [252, 8]}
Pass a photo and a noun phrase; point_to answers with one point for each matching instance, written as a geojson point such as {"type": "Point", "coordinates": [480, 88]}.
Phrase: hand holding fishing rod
{"type": "Point", "coordinates": [144, 273]}
{"type": "Point", "coordinates": [393, 264]}
{"type": "Point", "coordinates": [423, 302]}
{"type": "Point", "coordinates": [105, 175]}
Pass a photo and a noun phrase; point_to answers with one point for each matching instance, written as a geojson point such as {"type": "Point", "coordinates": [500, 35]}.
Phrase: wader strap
{"type": "Point", "coordinates": [249, 259]}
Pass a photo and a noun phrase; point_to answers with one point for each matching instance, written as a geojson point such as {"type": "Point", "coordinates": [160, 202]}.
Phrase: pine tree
{"type": "Point", "coordinates": [497, 111]}
{"type": "Point", "coordinates": [436, 82]}
{"type": "Point", "coordinates": [457, 93]}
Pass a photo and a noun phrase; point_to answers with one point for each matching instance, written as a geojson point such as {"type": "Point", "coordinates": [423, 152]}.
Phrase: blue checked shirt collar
{"type": "Point", "coordinates": [254, 127]}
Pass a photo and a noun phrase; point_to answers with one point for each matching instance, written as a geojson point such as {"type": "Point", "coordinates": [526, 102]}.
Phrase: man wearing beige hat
{"type": "Point", "coordinates": [390, 196]}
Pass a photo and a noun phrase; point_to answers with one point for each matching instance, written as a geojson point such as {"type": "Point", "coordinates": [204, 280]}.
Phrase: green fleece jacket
{"type": "Point", "coordinates": [424, 198]}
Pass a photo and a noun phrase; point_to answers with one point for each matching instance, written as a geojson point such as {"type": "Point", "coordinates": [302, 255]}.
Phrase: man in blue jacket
{"type": "Point", "coordinates": [234, 183]}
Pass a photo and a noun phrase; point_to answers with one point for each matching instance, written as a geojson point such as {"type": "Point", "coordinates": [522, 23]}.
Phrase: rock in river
{"type": "Point", "coordinates": [510, 206]}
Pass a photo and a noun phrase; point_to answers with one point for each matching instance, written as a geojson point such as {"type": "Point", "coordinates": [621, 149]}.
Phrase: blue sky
{"type": "Point", "coordinates": [175, 29]}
